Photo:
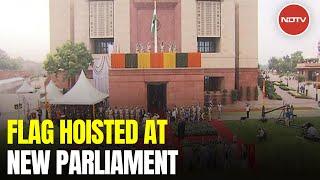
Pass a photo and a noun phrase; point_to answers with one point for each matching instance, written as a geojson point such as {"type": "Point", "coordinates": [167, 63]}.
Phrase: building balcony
{"type": "Point", "coordinates": [155, 60]}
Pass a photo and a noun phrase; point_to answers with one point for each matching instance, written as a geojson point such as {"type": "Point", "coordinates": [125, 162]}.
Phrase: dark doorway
{"type": "Point", "coordinates": [157, 98]}
{"type": "Point", "coordinates": [312, 76]}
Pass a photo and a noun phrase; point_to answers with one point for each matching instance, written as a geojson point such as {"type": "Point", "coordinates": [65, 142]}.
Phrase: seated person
{"type": "Point", "coordinates": [306, 125]}
{"type": "Point", "coordinates": [305, 128]}
{"type": "Point", "coordinates": [262, 135]}
{"type": "Point", "coordinates": [312, 134]}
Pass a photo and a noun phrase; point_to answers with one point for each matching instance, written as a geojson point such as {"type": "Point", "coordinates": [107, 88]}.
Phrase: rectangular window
{"type": "Point", "coordinates": [209, 18]}
{"type": "Point", "coordinates": [213, 83]}
{"type": "Point", "coordinates": [101, 19]}
{"type": "Point", "coordinates": [101, 45]}
{"type": "Point", "coordinates": [208, 44]}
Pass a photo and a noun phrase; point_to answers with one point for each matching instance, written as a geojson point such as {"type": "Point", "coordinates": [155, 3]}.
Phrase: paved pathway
{"type": "Point", "coordinates": [287, 98]}
{"type": "Point", "coordinates": [294, 84]}
{"type": "Point", "coordinates": [257, 114]}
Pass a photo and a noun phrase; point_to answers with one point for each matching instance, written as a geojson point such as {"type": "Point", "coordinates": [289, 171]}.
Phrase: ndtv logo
{"type": "Point", "coordinates": [293, 19]}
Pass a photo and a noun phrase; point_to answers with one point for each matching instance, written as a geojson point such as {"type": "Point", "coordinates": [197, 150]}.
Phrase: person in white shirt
{"type": "Point", "coordinates": [248, 108]}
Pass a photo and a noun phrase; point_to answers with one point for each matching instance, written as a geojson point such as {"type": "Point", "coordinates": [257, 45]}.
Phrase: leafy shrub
{"type": "Point", "coordinates": [302, 96]}
{"type": "Point", "coordinates": [298, 95]}
{"type": "Point", "coordinates": [224, 97]}
{"type": "Point", "coordinates": [285, 88]}
{"type": "Point", "coordinates": [271, 91]}
{"type": "Point", "coordinates": [282, 84]}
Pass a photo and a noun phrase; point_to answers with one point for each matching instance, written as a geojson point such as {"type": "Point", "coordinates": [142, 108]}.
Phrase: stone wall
{"type": "Point", "coordinates": [129, 87]}
{"type": "Point", "coordinates": [248, 78]}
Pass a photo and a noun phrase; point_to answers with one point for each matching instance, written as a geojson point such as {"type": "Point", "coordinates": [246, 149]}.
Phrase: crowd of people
{"type": "Point", "coordinates": [219, 154]}
{"type": "Point", "coordinates": [194, 113]}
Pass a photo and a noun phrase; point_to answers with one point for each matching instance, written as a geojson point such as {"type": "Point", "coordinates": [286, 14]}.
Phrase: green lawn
{"type": "Point", "coordinates": [284, 151]}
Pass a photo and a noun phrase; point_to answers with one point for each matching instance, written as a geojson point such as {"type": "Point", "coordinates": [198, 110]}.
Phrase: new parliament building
{"type": "Point", "coordinates": [207, 48]}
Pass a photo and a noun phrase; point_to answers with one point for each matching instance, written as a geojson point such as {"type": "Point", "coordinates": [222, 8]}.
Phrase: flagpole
{"type": "Point", "coordinates": [156, 30]}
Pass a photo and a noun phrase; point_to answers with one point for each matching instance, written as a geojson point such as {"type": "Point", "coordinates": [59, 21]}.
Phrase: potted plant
{"type": "Point", "coordinates": [234, 95]}
{"type": "Point", "coordinates": [248, 93]}
{"type": "Point", "coordinates": [224, 96]}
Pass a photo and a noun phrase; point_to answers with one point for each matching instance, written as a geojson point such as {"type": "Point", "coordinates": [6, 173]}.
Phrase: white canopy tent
{"type": "Point", "coordinates": [28, 98]}
{"type": "Point", "coordinates": [25, 88]}
{"type": "Point", "coordinates": [53, 92]}
{"type": "Point", "coordinates": [82, 93]}
{"type": "Point", "coordinates": [10, 85]}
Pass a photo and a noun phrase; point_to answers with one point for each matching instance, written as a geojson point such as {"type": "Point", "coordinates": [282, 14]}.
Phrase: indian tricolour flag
{"type": "Point", "coordinates": [154, 27]}
{"type": "Point", "coordinates": [154, 19]}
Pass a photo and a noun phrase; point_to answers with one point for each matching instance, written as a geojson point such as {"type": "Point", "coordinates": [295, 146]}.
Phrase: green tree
{"type": "Point", "coordinates": [8, 63]}
{"type": "Point", "coordinates": [51, 64]}
{"type": "Point", "coordinates": [70, 58]}
{"type": "Point", "coordinates": [273, 63]}
{"type": "Point", "coordinates": [224, 97]}
{"type": "Point", "coordinates": [296, 57]}
{"type": "Point", "coordinates": [286, 63]}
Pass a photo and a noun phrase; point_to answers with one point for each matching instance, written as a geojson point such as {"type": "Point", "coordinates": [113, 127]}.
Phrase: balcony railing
{"type": "Point", "coordinates": [156, 60]}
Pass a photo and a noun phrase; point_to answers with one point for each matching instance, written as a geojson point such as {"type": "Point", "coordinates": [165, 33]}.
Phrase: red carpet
{"type": "Point", "coordinates": [223, 131]}
{"type": "Point", "coordinates": [227, 135]}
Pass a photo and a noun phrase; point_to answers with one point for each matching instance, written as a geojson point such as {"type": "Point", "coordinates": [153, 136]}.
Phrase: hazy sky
{"type": "Point", "coordinates": [24, 29]}
{"type": "Point", "coordinates": [273, 42]}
